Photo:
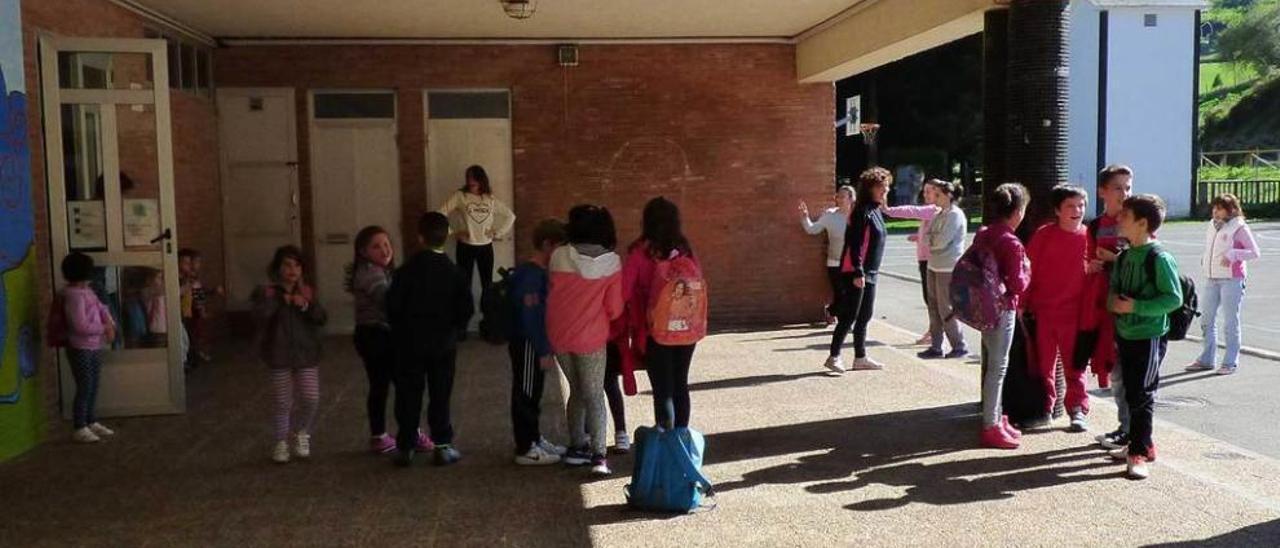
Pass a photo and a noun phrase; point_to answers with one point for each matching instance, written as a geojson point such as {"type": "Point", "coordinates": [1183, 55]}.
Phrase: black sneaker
{"type": "Point", "coordinates": [1113, 440]}
{"type": "Point", "coordinates": [577, 457]}
{"type": "Point", "coordinates": [446, 455]}
{"type": "Point", "coordinates": [930, 354]}
{"type": "Point", "coordinates": [958, 353]}
{"type": "Point", "coordinates": [403, 458]}
{"type": "Point", "coordinates": [1037, 423]}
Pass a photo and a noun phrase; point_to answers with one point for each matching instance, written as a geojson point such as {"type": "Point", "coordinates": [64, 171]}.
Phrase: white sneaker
{"type": "Point", "coordinates": [101, 430]}
{"type": "Point", "coordinates": [600, 467]}
{"type": "Point", "coordinates": [537, 457]}
{"type": "Point", "coordinates": [835, 363]}
{"type": "Point", "coordinates": [551, 448]}
{"type": "Point", "coordinates": [1119, 453]}
{"type": "Point", "coordinates": [1138, 468]}
{"type": "Point", "coordinates": [302, 445]}
{"type": "Point", "coordinates": [621, 442]}
{"type": "Point", "coordinates": [280, 453]}
{"type": "Point", "coordinates": [866, 364]}
{"type": "Point", "coordinates": [85, 435]}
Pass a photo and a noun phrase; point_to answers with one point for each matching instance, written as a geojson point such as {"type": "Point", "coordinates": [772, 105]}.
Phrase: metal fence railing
{"type": "Point", "coordinates": [1255, 192]}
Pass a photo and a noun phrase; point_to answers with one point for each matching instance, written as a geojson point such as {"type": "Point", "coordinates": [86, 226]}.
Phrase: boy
{"type": "Point", "coordinates": [194, 299]}
{"type": "Point", "coordinates": [427, 304]}
{"type": "Point", "coordinates": [1059, 265]}
{"type": "Point", "coordinates": [1142, 302]}
{"type": "Point", "coordinates": [530, 350]}
{"type": "Point", "coordinates": [1115, 185]}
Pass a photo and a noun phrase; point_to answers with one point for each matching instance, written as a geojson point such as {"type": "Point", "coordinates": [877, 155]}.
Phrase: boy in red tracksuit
{"type": "Point", "coordinates": [1059, 265]}
{"type": "Point", "coordinates": [1115, 185]}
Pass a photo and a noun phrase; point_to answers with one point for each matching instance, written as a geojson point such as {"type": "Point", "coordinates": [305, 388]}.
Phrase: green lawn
{"type": "Point", "coordinates": [1225, 75]}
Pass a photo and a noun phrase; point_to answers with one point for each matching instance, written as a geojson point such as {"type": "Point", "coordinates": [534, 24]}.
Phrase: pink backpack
{"type": "Point", "coordinates": [678, 302]}
{"type": "Point", "coordinates": [977, 291]}
{"type": "Point", "coordinates": [55, 327]}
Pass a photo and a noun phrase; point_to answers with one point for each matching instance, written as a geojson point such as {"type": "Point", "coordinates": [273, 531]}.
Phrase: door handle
{"type": "Point", "coordinates": [166, 235]}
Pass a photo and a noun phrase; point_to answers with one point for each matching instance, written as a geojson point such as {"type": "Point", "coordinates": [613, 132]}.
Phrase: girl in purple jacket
{"type": "Point", "coordinates": [88, 326]}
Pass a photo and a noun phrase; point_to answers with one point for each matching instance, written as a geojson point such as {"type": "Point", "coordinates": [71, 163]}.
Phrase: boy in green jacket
{"type": "Point", "coordinates": [1141, 303]}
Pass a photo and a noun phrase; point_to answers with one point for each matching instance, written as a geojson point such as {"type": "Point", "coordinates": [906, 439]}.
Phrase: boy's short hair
{"type": "Point", "coordinates": [1111, 172]}
{"type": "Point", "coordinates": [1064, 192]}
{"type": "Point", "coordinates": [433, 227]}
{"type": "Point", "coordinates": [1147, 207]}
{"type": "Point", "coordinates": [1228, 202]}
{"type": "Point", "coordinates": [548, 230]}
{"type": "Point", "coordinates": [77, 267]}
{"type": "Point", "coordinates": [188, 253]}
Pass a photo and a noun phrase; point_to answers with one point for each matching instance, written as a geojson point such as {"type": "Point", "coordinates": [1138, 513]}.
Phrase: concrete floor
{"type": "Point", "coordinates": [800, 458]}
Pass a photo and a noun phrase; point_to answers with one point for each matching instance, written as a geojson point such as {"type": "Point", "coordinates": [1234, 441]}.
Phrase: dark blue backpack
{"type": "Point", "coordinates": [667, 476]}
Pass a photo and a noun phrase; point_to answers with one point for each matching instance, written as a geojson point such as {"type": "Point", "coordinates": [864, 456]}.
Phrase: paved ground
{"type": "Point", "coordinates": [800, 458]}
{"type": "Point", "coordinates": [1240, 409]}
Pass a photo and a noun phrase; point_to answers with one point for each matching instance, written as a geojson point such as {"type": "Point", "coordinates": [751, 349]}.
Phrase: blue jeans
{"type": "Point", "coordinates": [86, 367]}
{"type": "Point", "coordinates": [995, 361]}
{"type": "Point", "coordinates": [1230, 294]}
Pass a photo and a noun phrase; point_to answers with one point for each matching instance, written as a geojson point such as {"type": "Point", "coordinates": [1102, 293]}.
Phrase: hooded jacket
{"type": "Point", "coordinates": [584, 297]}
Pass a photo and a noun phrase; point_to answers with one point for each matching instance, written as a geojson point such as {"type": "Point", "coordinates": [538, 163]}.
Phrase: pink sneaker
{"type": "Point", "coordinates": [1013, 432]}
{"type": "Point", "coordinates": [995, 437]}
{"type": "Point", "coordinates": [424, 442]}
{"type": "Point", "coordinates": [381, 444]}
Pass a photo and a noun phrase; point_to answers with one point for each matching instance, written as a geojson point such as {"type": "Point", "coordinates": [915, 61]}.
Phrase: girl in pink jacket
{"type": "Point", "coordinates": [584, 296]}
{"type": "Point", "coordinates": [88, 327]}
{"type": "Point", "coordinates": [1228, 244]}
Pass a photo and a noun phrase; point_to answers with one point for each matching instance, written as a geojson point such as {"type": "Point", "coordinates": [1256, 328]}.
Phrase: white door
{"type": "Point", "coordinates": [355, 182]}
{"type": "Point", "coordinates": [109, 165]}
{"type": "Point", "coordinates": [257, 138]}
{"type": "Point", "coordinates": [466, 128]}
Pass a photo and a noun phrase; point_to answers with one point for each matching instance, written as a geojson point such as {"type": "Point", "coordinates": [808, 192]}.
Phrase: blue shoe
{"type": "Point", "coordinates": [577, 457]}
{"type": "Point", "coordinates": [958, 353]}
{"type": "Point", "coordinates": [930, 354]}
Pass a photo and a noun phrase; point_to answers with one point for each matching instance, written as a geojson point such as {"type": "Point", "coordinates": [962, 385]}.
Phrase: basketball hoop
{"type": "Point", "coordinates": [869, 132]}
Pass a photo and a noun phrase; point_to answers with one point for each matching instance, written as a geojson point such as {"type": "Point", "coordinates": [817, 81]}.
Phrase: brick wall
{"type": "Point", "coordinates": [724, 130]}
{"type": "Point", "coordinates": [194, 123]}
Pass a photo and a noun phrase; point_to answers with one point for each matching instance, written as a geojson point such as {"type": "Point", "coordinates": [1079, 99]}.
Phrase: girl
{"type": "Point", "coordinates": [619, 362]}
{"type": "Point", "coordinates": [585, 295]}
{"type": "Point", "coordinates": [484, 219]}
{"type": "Point", "coordinates": [1228, 244]}
{"type": "Point", "coordinates": [859, 267]}
{"type": "Point", "coordinates": [1007, 207]}
{"type": "Point", "coordinates": [668, 366]}
{"type": "Point", "coordinates": [945, 240]}
{"type": "Point", "coordinates": [368, 278]}
{"type": "Point", "coordinates": [925, 214]}
{"type": "Point", "coordinates": [89, 326]}
{"type": "Point", "coordinates": [289, 335]}
{"type": "Point", "coordinates": [833, 221]}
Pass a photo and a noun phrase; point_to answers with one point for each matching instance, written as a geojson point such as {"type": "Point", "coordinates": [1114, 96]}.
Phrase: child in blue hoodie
{"type": "Point", "coordinates": [530, 350]}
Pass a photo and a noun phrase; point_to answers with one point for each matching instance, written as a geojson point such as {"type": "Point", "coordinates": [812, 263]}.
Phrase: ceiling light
{"type": "Point", "coordinates": [519, 9]}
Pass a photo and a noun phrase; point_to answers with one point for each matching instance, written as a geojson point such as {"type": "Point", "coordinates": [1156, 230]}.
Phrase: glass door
{"type": "Point", "coordinates": [109, 166]}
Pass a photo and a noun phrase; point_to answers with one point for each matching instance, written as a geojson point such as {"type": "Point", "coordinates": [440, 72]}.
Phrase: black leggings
{"type": "Point", "coordinates": [480, 256]}
{"type": "Point", "coordinates": [668, 368]}
{"type": "Point", "coordinates": [375, 348]}
{"type": "Point", "coordinates": [924, 281]}
{"type": "Point", "coordinates": [612, 390]}
{"type": "Point", "coordinates": [855, 312]}
{"type": "Point", "coordinates": [837, 289]}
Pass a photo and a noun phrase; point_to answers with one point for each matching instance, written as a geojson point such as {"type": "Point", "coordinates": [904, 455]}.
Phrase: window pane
{"type": "Point", "coordinates": [82, 161]}
{"type": "Point", "coordinates": [469, 104]}
{"type": "Point", "coordinates": [103, 70]}
{"type": "Point", "coordinates": [355, 105]}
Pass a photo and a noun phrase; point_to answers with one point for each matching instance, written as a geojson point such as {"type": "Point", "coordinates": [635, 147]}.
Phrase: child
{"type": "Point", "coordinates": [88, 327]}
{"type": "Point", "coordinates": [1228, 244]}
{"type": "Point", "coordinates": [945, 240]}
{"type": "Point", "coordinates": [156, 309]}
{"type": "Point", "coordinates": [618, 364]}
{"type": "Point", "coordinates": [662, 238]}
{"type": "Point", "coordinates": [833, 221]}
{"type": "Point", "coordinates": [1059, 259]}
{"type": "Point", "coordinates": [925, 214]}
{"type": "Point", "coordinates": [289, 336]}
{"type": "Point", "coordinates": [1007, 206]}
{"type": "Point", "coordinates": [428, 303]}
{"type": "Point", "coordinates": [1115, 185]}
{"type": "Point", "coordinates": [195, 302]}
{"type": "Point", "coordinates": [530, 350]}
{"type": "Point", "coordinates": [368, 278]}
{"type": "Point", "coordinates": [585, 296]}
{"type": "Point", "coordinates": [1142, 304]}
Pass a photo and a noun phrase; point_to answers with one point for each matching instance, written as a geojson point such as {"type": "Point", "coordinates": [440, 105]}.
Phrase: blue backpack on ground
{"type": "Point", "coordinates": [667, 476]}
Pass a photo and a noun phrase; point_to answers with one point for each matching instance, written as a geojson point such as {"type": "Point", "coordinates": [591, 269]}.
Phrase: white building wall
{"type": "Point", "coordinates": [1150, 98]}
{"type": "Point", "coordinates": [1082, 98]}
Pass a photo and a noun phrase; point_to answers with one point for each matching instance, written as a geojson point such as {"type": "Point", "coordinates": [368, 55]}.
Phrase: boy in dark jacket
{"type": "Point", "coordinates": [427, 305]}
{"type": "Point", "coordinates": [531, 353]}
{"type": "Point", "coordinates": [1141, 303]}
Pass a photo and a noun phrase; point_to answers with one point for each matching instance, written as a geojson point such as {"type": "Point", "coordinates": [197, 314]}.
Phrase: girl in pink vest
{"type": "Point", "coordinates": [1228, 244]}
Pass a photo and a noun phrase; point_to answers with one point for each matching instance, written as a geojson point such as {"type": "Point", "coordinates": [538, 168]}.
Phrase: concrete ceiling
{"type": "Point", "coordinates": [484, 19]}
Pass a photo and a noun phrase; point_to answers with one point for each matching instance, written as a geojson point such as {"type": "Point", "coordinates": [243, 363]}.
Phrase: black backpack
{"type": "Point", "coordinates": [498, 317]}
{"type": "Point", "coordinates": [1180, 319]}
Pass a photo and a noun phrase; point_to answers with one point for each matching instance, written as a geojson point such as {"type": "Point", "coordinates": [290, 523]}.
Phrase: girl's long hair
{"type": "Point", "coordinates": [477, 174]}
{"type": "Point", "coordinates": [662, 230]}
{"type": "Point", "coordinates": [363, 238]}
{"type": "Point", "coordinates": [286, 252]}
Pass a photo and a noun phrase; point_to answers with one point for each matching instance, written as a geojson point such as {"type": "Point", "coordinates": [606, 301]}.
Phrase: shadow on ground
{"type": "Point", "coordinates": [1261, 535]}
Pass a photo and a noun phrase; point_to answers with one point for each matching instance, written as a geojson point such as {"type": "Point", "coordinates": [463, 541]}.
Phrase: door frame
{"type": "Point", "coordinates": [52, 99]}
{"type": "Point", "coordinates": [224, 161]}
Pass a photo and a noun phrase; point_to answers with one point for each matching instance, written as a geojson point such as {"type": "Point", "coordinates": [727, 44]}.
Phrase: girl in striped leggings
{"type": "Point", "coordinates": [289, 335]}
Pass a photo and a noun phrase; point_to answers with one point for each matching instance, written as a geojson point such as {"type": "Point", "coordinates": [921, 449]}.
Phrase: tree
{"type": "Point", "coordinates": [1255, 39]}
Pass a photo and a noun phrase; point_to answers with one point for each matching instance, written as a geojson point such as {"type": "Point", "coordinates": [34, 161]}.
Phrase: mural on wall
{"type": "Point", "coordinates": [19, 402]}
